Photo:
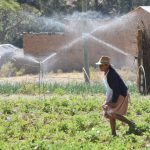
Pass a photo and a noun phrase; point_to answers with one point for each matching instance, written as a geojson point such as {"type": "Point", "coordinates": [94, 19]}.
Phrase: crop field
{"type": "Point", "coordinates": [55, 56]}
{"type": "Point", "coordinates": [67, 117]}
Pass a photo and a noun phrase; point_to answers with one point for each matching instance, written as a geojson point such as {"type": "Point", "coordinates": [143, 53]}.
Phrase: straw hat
{"type": "Point", "coordinates": [104, 60]}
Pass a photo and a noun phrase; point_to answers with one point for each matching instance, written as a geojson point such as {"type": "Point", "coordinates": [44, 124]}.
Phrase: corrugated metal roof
{"type": "Point", "coordinates": [146, 8]}
{"type": "Point", "coordinates": [8, 48]}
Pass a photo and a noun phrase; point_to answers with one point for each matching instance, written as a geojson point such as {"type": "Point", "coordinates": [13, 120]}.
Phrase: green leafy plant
{"type": "Point", "coordinates": [70, 121]}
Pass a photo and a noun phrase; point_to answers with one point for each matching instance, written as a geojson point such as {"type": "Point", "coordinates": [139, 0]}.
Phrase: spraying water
{"type": "Point", "coordinates": [43, 24]}
{"type": "Point", "coordinates": [108, 45]}
{"type": "Point", "coordinates": [76, 25]}
{"type": "Point", "coordinates": [76, 19]}
{"type": "Point", "coordinates": [89, 34]}
{"type": "Point", "coordinates": [30, 58]}
{"type": "Point", "coordinates": [86, 35]}
{"type": "Point", "coordinates": [66, 47]}
{"type": "Point", "coordinates": [34, 59]}
{"type": "Point", "coordinates": [9, 50]}
{"type": "Point", "coordinates": [26, 57]}
{"type": "Point", "coordinates": [49, 57]}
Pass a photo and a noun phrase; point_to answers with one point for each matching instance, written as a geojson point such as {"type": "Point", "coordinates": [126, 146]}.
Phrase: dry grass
{"type": "Point", "coordinates": [95, 75]}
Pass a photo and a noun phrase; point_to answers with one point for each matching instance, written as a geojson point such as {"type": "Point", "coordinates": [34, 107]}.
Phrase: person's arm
{"type": "Point", "coordinates": [106, 105]}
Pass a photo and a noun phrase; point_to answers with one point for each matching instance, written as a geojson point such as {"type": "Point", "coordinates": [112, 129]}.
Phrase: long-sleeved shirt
{"type": "Point", "coordinates": [116, 84]}
{"type": "Point", "coordinates": [109, 91]}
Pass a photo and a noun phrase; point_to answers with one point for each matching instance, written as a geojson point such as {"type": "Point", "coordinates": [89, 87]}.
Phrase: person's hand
{"type": "Point", "coordinates": [105, 107]}
{"type": "Point", "coordinates": [112, 105]}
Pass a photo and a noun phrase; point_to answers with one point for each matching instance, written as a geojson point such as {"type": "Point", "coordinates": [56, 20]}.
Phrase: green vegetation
{"type": "Point", "coordinates": [69, 118]}
{"type": "Point", "coordinates": [57, 88]}
{"type": "Point", "coordinates": [7, 70]}
{"type": "Point", "coordinates": [49, 7]}
{"type": "Point", "coordinates": [9, 5]}
{"type": "Point", "coordinates": [45, 88]}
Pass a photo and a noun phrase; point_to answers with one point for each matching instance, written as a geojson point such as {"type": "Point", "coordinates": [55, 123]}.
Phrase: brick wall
{"type": "Point", "coordinates": [41, 44]}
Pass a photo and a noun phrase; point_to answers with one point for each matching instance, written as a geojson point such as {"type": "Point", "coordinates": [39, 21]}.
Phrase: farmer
{"type": "Point", "coordinates": [116, 103]}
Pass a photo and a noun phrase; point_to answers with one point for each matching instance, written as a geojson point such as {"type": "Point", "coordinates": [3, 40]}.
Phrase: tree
{"type": "Point", "coordinates": [8, 20]}
{"type": "Point", "coordinates": [8, 5]}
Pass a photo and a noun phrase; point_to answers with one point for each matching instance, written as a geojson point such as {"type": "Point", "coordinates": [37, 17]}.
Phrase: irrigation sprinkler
{"type": "Point", "coordinates": [86, 58]}
{"type": "Point", "coordinates": [40, 79]}
{"type": "Point", "coordinates": [41, 63]}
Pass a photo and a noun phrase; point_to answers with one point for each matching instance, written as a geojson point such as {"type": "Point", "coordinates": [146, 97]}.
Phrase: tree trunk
{"type": "Point", "coordinates": [96, 5]}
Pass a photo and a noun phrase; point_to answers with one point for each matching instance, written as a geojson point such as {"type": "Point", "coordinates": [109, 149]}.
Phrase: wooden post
{"type": "Point", "coordinates": [86, 59]}
{"type": "Point", "coordinates": [85, 46]}
{"type": "Point", "coordinates": [143, 59]}
{"type": "Point", "coordinates": [84, 5]}
{"type": "Point", "coordinates": [96, 5]}
{"type": "Point", "coordinates": [146, 57]}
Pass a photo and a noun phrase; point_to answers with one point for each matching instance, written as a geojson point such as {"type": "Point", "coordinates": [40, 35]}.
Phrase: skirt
{"type": "Point", "coordinates": [120, 107]}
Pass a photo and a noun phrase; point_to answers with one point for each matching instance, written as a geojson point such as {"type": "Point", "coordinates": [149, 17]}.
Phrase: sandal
{"type": "Point", "coordinates": [134, 129]}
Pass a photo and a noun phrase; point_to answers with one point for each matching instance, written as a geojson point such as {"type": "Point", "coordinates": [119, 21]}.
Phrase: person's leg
{"type": "Point", "coordinates": [124, 119]}
{"type": "Point", "coordinates": [132, 126]}
{"type": "Point", "coordinates": [113, 125]}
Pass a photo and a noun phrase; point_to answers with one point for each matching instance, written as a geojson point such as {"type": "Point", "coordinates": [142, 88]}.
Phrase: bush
{"type": "Point", "coordinates": [8, 70]}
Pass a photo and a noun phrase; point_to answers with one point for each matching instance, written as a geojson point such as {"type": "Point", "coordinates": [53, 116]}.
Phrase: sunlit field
{"type": "Point", "coordinates": [67, 117]}
{"type": "Point", "coordinates": [51, 86]}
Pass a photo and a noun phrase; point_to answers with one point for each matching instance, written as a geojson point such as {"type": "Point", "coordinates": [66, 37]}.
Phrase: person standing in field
{"type": "Point", "coordinates": [116, 103]}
